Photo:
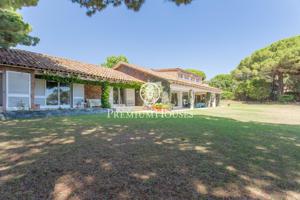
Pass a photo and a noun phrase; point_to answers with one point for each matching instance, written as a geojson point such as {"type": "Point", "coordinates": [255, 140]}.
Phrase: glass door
{"type": "Point", "coordinates": [52, 94]}
{"type": "Point", "coordinates": [58, 95]}
{"type": "Point", "coordinates": [64, 95]}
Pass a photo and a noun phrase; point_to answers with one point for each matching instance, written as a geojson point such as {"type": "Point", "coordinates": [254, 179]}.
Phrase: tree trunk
{"type": "Point", "coordinates": [280, 84]}
{"type": "Point", "coordinates": [274, 92]}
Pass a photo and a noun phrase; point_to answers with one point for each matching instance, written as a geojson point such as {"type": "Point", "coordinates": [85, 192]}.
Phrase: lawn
{"type": "Point", "coordinates": [216, 154]}
{"type": "Point", "coordinates": [269, 113]}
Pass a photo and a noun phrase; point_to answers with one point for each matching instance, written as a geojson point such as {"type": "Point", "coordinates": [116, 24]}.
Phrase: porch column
{"type": "Point", "coordinates": [218, 99]}
{"type": "Point", "coordinates": [180, 99]}
{"type": "Point", "coordinates": [192, 99]}
{"type": "Point", "coordinates": [214, 102]}
{"type": "Point", "coordinates": [119, 96]}
{"type": "Point", "coordinates": [208, 99]}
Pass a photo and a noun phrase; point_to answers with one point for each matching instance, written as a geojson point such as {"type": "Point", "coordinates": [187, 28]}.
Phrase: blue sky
{"type": "Point", "coordinates": [210, 35]}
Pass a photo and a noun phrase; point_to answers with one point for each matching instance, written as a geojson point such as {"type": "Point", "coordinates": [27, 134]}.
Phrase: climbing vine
{"type": "Point", "coordinates": [68, 79]}
{"type": "Point", "coordinates": [105, 85]}
{"type": "Point", "coordinates": [77, 79]}
{"type": "Point", "coordinates": [133, 85]}
{"type": "Point", "coordinates": [105, 95]}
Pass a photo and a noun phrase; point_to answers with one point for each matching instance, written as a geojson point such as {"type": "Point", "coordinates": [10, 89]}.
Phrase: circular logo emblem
{"type": "Point", "coordinates": [150, 93]}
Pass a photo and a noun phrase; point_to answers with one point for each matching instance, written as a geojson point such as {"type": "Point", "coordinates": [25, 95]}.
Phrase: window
{"type": "Point", "coordinates": [40, 93]}
{"type": "Point", "coordinates": [18, 90]}
{"type": "Point", "coordinates": [64, 93]}
{"type": "Point", "coordinates": [58, 94]}
{"type": "Point", "coordinates": [78, 95]}
{"type": "Point", "coordinates": [118, 96]}
{"type": "Point", "coordinates": [52, 93]}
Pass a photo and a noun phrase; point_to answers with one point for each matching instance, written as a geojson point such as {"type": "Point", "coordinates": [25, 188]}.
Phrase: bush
{"type": "Point", "coordinates": [161, 106]}
{"type": "Point", "coordinates": [286, 98]}
{"type": "Point", "coordinates": [105, 95]}
{"type": "Point", "coordinates": [253, 89]}
{"type": "Point", "coordinates": [241, 92]}
{"type": "Point", "coordinates": [227, 95]}
{"type": "Point", "coordinates": [259, 90]}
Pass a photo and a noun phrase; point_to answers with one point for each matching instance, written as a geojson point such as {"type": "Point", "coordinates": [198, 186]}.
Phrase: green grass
{"type": "Point", "coordinates": [95, 157]}
{"type": "Point", "coordinates": [269, 113]}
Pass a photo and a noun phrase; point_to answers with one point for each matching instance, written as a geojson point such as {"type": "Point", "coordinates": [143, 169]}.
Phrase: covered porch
{"type": "Point", "coordinates": [191, 97]}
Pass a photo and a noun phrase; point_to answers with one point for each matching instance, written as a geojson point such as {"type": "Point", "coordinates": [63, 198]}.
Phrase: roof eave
{"type": "Point", "coordinates": [65, 73]}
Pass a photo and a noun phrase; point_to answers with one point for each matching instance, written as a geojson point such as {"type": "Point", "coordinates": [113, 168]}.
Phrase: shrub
{"type": "Point", "coordinates": [161, 106]}
{"type": "Point", "coordinates": [227, 95]}
{"type": "Point", "coordinates": [286, 98]}
{"type": "Point", "coordinates": [105, 95]}
{"type": "Point", "coordinates": [241, 92]}
{"type": "Point", "coordinates": [259, 90]}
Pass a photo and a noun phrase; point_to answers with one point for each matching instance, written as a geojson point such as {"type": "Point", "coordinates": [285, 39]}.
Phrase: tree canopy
{"type": "Point", "coordinates": [225, 82]}
{"type": "Point", "coordinates": [111, 61]}
{"type": "Point", "coordinates": [276, 66]}
{"type": "Point", "coordinates": [280, 57]}
{"type": "Point", "coordinates": [17, 4]}
{"type": "Point", "coordinates": [94, 6]}
{"type": "Point", "coordinates": [197, 72]}
{"type": "Point", "coordinates": [13, 30]}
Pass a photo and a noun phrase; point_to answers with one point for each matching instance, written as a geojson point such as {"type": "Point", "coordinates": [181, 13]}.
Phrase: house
{"type": "Point", "coordinates": [180, 87]}
{"type": "Point", "coordinates": [34, 81]}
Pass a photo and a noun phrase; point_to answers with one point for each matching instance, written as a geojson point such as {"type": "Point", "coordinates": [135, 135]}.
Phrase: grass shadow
{"type": "Point", "coordinates": [88, 157]}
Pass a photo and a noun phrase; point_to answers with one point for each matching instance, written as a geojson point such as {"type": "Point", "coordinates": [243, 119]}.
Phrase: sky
{"type": "Point", "coordinates": [209, 35]}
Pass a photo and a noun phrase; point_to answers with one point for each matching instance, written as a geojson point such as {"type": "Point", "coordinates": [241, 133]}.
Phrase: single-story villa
{"type": "Point", "coordinates": [34, 81]}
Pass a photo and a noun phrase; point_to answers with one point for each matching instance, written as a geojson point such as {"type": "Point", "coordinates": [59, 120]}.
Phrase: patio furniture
{"type": "Point", "coordinates": [200, 105]}
{"type": "Point", "coordinates": [93, 103]}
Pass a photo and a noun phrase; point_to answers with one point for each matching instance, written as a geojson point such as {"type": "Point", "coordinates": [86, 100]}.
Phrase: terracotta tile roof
{"type": "Point", "coordinates": [15, 57]}
{"type": "Point", "coordinates": [177, 69]}
{"type": "Point", "coordinates": [168, 77]}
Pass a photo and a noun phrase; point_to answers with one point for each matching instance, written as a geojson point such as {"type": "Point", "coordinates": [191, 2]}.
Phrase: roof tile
{"type": "Point", "coordinates": [169, 77]}
{"type": "Point", "coordinates": [28, 59]}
